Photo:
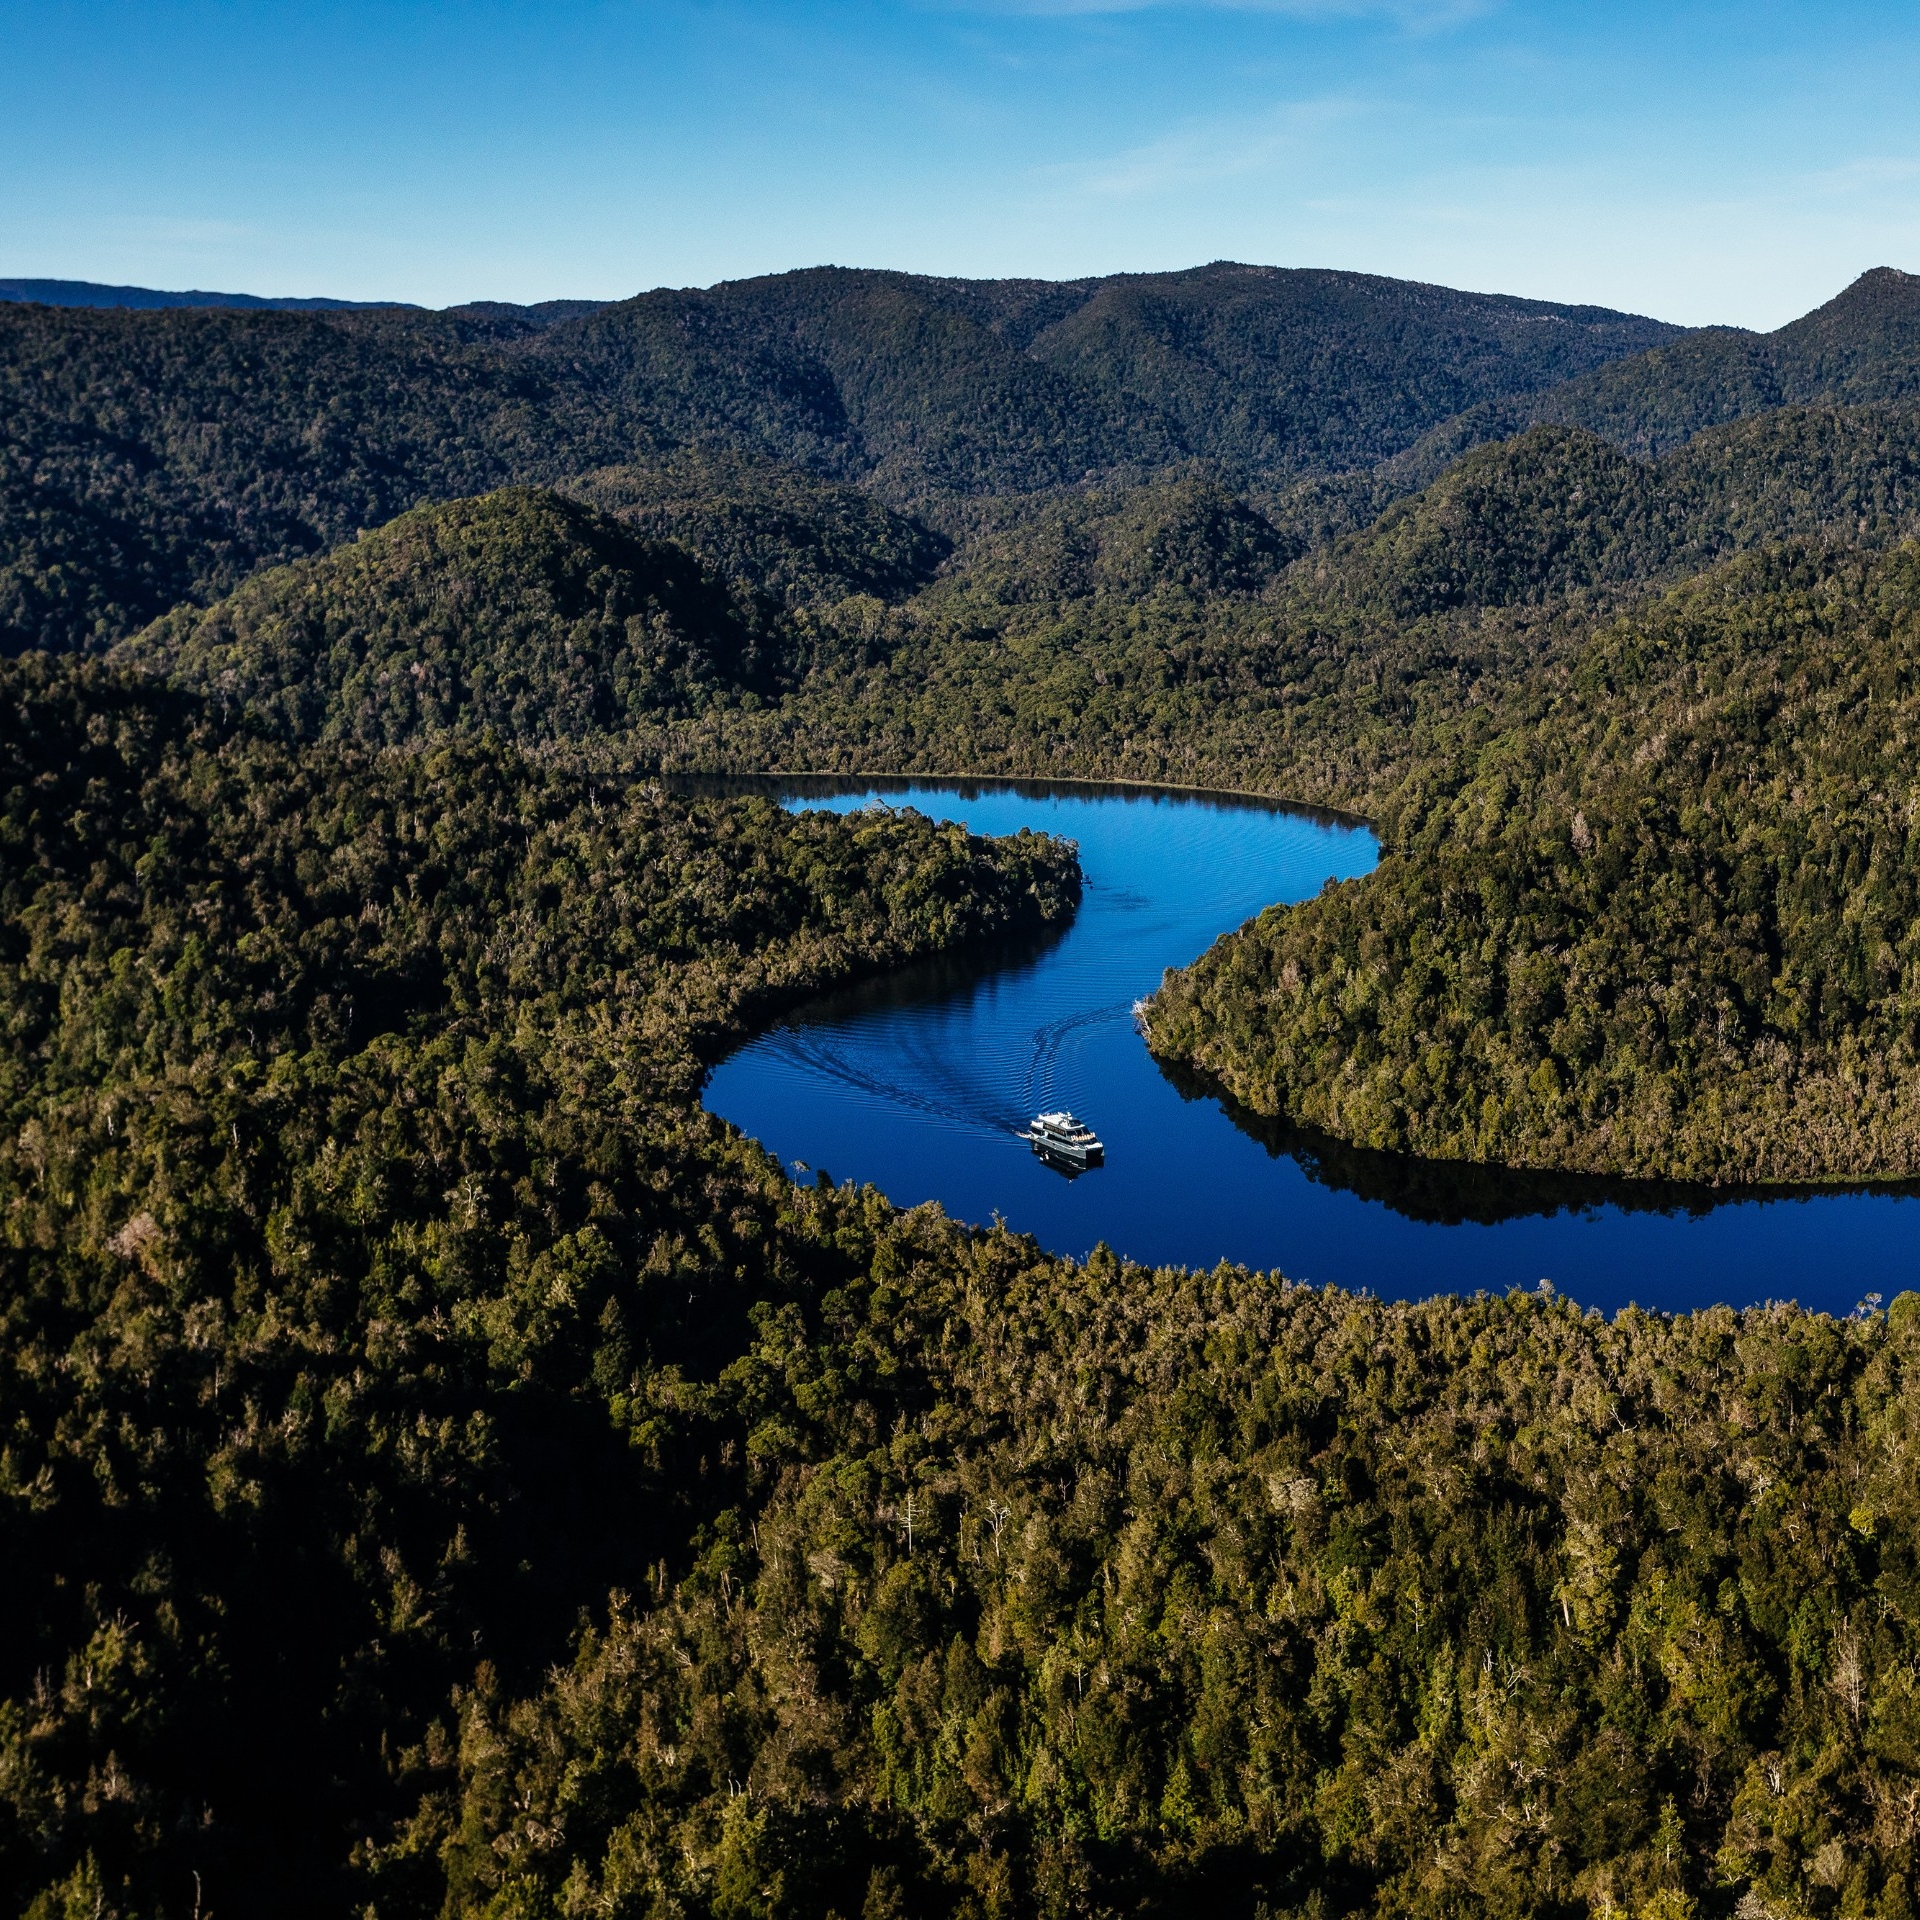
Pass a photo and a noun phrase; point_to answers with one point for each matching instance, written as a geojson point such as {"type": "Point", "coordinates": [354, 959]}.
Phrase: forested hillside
{"type": "Point", "coordinates": [154, 457]}
{"type": "Point", "coordinates": [1663, 925]}
{"type": "Point", "coordinates": [358, 1226]}
{"type": "Point", "coordinates": [772, 529]}
{"type": "Point", "coordinates": [1862, 347]}
{"type": "Point", "coordinates": [520, 613]}
{"type": "Point", "coordinates": [446, 1473]}
{"type": "Point", "coordinates": [1175, 632]}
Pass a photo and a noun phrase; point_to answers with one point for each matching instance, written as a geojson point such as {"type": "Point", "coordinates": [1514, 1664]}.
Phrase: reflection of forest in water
{"type": "Point", "coordinates": [1433, 1192]}
{"type": "Point", "coordinates": [1451, 1193]}
{"type": "Point", "coordinates": [925, 1080]}
{"type": "Point", "coordinates": [917, 1070]}
{"type": "Point", "coordinates": [926, 983]}
{"type": "Point", "coordinates": [836, 786]}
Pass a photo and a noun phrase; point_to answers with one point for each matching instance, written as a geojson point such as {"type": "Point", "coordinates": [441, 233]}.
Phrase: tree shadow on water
{"type": "Point", "coordinates": [1463, 1192]}
{"type": "Point", "coordinates": [951, 975]}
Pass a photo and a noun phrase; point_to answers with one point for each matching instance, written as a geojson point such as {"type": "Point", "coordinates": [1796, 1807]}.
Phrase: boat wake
{"type": "Point", "coordinates": [922, 1081]}
{"type": "Point", "coordinates": [943, 1071]}
{"type": "Point", "coordinates": [1057, 1037]}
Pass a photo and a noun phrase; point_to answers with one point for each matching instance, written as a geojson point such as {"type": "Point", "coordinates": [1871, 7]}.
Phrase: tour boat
{"type": "Point", "coordinates": [1059, 1136]}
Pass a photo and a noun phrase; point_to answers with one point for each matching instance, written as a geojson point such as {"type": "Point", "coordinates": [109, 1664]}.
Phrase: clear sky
{"type": "Point", "coordinates": [1734, 162]}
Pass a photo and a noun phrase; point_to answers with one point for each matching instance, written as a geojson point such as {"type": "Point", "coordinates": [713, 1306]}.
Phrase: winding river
{"type": "Point", "coordinates": [920, 1082]}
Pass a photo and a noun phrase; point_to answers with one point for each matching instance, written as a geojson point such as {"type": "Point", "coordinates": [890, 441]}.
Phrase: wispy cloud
{"type": "Point", "coordinates": [1417, 16]}
{"type": "Point", "coordinates": [1208, 151]}
{"type": "Point", "coordinates": [1864, 175]}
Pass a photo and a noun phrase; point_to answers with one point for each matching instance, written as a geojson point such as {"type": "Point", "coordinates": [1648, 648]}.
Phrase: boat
{"type": "Point", "coordinates": [1059, 1136]}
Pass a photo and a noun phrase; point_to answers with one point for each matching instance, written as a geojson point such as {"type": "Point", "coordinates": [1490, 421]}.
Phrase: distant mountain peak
{"type": "Point", "coordinates": [94, 293]}
{"type": "Point", "coordinates": [1878, 294]}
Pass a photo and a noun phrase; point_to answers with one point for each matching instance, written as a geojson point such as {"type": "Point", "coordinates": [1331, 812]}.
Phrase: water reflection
{"type": "Point", "coordinates": [1451, 1193]}
{"type": "Point", "coordinates": [866, 788]}
{"type": "Point", "coordinates": [923, 1083]}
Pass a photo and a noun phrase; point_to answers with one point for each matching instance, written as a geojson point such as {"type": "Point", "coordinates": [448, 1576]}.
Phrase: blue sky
{"type": "Point", "coordinates": [1727, 162]}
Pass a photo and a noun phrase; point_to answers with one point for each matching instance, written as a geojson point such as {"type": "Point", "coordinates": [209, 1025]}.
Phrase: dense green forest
{"type": "Point", "coordinates": [520, 613]}
{"type": "Point", "coordinates": [155, 457]}
{"type": "Point", "coordinates": [1860, 348]}
{"type": "Point", "coordinates": [359, 1224]}
{"type": "Point", "coordinates": [447, 1473]}
{"type": "Point", "coordinates": [1664, 925]}
{"type": "Point", "coordinates": [1177, 632]}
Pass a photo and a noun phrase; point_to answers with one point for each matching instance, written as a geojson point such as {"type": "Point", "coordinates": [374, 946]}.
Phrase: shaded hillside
{"type": "Point", "coordinates": [920, 385]}
{"type": "Point", "coordinates": [1166, 632]}
{"type": "Point", "coordinates": [771, 529]}
{"type": "Point", "coordinates": [1861, 348]}
{"type": "Point", "coordinates": [449, 1476]}
{"type": "Point", "coordinates": [1192, 537]}
{"type": "Point", "coordinates": [1274, 371]}
{"type": "Point", "coordinates": [152, 457]}
{"type": "Point", "coordinates": [294, 1454]}
{"type": "Point", "coordinates": [523, 613]}
{"type": "Point", "coordinates": [1557, 510]}
{"type": "Point", "coordinates": [1663, 924]}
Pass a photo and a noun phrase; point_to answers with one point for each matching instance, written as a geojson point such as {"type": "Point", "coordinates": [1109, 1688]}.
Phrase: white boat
{"type": "Point", "coordinates": [1059, 1136]}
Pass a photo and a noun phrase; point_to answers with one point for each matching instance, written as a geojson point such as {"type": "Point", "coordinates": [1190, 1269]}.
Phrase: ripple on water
{"type": "Point", "coordinates": [921, 1083]}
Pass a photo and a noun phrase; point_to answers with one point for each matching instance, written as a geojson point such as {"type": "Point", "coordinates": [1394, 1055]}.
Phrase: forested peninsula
{"type": "Point", "coordinates": [445, 1473]}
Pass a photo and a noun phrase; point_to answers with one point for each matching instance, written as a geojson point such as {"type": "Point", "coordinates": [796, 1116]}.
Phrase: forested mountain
{"type": "Point", "coordinates": [92, 293]}
{"type": "Point", "coordinates": [224, 966]}
{"type": "Point", "coordinates": [1662, 924]}
{"type": "Point", "coordinates": [1862, 347]}
{"type": "Point", "coordinates": [444, 1472]}
{"type": "Point", "coordinates": [771, 529]}
{"type": "Point", "coordinates": [921, 386]}
{"type": "Point", "coordinates": [1175, 632]}
{"type": "Point", "coordinates": [1149, 632]}
{"type": "Point", "coordinates": [447, 1474]}
{"type": "Point", "coordinates": [535, 616]}
{"type": "Point", "coordinates": [520, 613]}
{"type": "Point", "coordinates": [157, 457]}
{"type": "Point", "coordinates": [154, 457]}
{"type": "Point", "coordinates": [1556, 510]}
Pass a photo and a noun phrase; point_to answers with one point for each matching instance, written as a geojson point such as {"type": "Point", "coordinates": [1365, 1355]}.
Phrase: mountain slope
{"type": "Point", "coordinates": [1173, 632]}
{"type": "Point", "coordinates": [154, 457]}
{"type": "Point", "coordinates": [150, 458]}
{"type": "Point", "coordinates": [1277, 371]}
{"type": "Point", "coordinates": [1663, 922]}
{"type": "Point", "coordinates": [520, 612]}
{"type": "Point", "coordinates": [770, 529]}
{"type": "Point", "coordinates": [382, 1194]}
{"type": "Point", "coordinates": [1860, 348]}
{"type": "Point", "coordinates": [921, 385]}
{"type": "Point", "coordinates": [1557, 509]}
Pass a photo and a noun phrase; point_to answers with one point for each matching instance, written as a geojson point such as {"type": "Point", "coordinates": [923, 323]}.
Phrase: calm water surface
{"type": "Point", "coordinates": [921, 1082]}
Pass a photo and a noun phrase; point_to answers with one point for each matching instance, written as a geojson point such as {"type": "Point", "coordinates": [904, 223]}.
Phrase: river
{"type": "Point", "coordinates": [920, 1082]}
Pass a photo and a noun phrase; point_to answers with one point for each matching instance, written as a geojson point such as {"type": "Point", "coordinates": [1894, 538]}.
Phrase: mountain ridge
{"type": "Point", "coordinates": [98, 293]}
{"type": "Point", "coordinates": [153, 457]}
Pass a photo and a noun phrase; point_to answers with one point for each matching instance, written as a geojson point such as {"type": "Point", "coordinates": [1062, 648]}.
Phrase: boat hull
{"type": "Point", "coordinates": [1079, 1158]}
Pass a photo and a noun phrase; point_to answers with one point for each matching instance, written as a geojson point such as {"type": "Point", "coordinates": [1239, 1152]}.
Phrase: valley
{"type": "Point", "coordinates": [450, 1472]}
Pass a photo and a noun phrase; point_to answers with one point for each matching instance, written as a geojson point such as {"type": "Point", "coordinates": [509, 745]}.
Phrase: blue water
{"type": "Point", "coordinates": [919, 1083]}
